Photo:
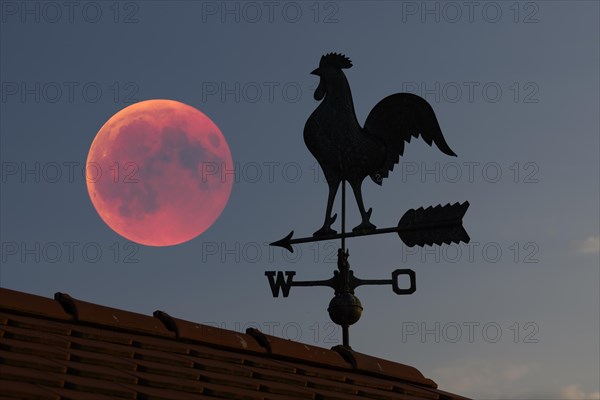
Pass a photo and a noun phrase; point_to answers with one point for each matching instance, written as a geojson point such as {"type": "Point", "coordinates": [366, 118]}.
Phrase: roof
{"type": "Point", "coordinates": [64, 348]}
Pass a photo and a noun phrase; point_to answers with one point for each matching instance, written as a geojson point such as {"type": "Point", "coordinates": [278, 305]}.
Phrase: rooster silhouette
{"type": "Point", "coordinates": [345, 151]}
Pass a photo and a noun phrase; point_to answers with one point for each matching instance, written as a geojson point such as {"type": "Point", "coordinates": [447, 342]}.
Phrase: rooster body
{"type": "Point", "coordinates": [348, 152]}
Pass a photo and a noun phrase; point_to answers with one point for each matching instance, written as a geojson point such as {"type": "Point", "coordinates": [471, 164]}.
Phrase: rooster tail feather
{"type": "Point", "coordinates": [395, 120]}
{"type": "Point", "coordinates": [437, 137]}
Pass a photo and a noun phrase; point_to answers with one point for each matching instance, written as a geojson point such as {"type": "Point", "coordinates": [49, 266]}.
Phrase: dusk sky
{"type": "Point", "coordinates": [515, 86]}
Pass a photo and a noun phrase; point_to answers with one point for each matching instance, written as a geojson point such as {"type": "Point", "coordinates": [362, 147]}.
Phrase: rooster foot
{"type": "Point", "coordinates": [365, 226]}
{"type": "Point", "coordinates": [326, 229]}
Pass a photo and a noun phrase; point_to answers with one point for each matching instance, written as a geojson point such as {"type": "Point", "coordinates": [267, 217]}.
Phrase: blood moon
{"type": "Point", "coordinates": [153, 172]}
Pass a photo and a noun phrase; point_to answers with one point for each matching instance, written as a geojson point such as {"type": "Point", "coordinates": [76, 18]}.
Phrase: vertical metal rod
{"type": "Point", "coordinates": [346, 336]}
{"type": "Point", "coordinates": [343, 215]}
{"type": "Point", "coordinates": [345, 328]}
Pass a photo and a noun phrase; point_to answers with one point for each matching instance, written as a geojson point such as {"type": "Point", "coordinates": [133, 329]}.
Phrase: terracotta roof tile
{"type": "Point", "coordinates": [21, 374]}
{"type": "Point", "coordinates": [103, 335]}
{"type": "Point", "coordinates": [276, 376]}
{"type": "Point", "coordinates": [100, 386]}
{"type": "Point", "coordinates": [287, 390]}
{"type": "Point", "coordinates": [385, 384]}
{"type": "Point", "coordinates": [31, 362]}
{"type": "Point", "coordinates": [166, 370]}
{"type": "Point", "coordinates": [100, 315]}
{"type": "Point", "coordinates": [382, 394]}
{"type": "Point", "coordinates": [37, 324]}
{"type": "Point", "coordinates": [329, 386]}
{"type": "Point", "coordinates": [163, 357]}
{"type": "Point", "coordinates": [42, 350]}
{"type": "Point", "coordinates": [101, 359]}
{"type": "Point", "coordinates": [96, 346]}
{"type": "Point", "coordinates": [274, 365]}
{"type": "Point", "coordinates": [325, 373]}
{"type": "Point", "coordinates": [229, 392]}
{"type": "Point", "coordinates": [95, 352]}
{"type": "Point", "coordinates": [74, 394]}
{"type": "Point", "coordinates": [34, 336]}
{"type": "Point", "coordinates": [98, 372]}
{"type": "Point", "coordinates": [150, 343]}
{"type": "Point", "coordinates": [290, 349]}
{"type": "Point", "coordinates": [449, 396]}
{"type": "Point", "coordinates": [207, 364]}
{"type": "Point", "coordinates": [326, 395]}
{"type": "Point", "coordinates": [370, 364]}
{"type": "Point", "coordinates": [228, 380]}
{"type": "Point", "coordinates": [24, 390]}
{"type": "Point", "coordinates": [150, 393]}
{"type": "Point", "coordinates": [208, 334]}
{"type": "Point", "coordinates": [14, 301]}
{"type": "Point", "coordinates": [179, 384]}
{"type": "Point", "coordinates": [371, 382]}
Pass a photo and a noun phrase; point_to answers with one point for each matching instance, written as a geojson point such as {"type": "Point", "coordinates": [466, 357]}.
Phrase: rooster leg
{"type": "Point", "coordinates": [326, 229]}
{"type": "Point", "coordinates": [365, 225]}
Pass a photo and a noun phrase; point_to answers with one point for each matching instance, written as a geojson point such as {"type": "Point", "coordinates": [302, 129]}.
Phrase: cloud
{"type": "Point", "coordinates": [572, 392]}
{"type": "Point", "coordinates": [477, 378]}
{"type": "Point", "coordinates": [515, 372]}
{"type": "Point", "coordinates": [591, 245]}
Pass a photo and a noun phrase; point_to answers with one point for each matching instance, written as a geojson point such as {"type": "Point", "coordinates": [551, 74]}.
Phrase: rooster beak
{"type": "Point", "coordinates": [315, 72]}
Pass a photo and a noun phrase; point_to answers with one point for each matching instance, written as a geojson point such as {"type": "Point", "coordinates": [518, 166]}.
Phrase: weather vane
{"type": "Point", "coordinates": [349, 153]}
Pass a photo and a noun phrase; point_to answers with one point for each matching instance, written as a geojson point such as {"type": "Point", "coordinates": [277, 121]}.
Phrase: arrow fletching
{"type": "Point", "coordinates": [434, 225]}
{"type": "Point", "coordinates": [285, 242]}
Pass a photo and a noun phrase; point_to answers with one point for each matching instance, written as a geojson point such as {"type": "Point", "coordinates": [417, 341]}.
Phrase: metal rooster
{"type": "Point", "coordinates": [345, 151]}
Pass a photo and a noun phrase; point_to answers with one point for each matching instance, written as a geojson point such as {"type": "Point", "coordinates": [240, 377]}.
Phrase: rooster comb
{"type": "Point", "coordinates": [335, 60]}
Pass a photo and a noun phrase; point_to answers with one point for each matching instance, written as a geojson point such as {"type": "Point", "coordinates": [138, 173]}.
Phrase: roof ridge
{"type": "Point", "coordinates": [358, 361]}
{"type": "Point", "coordinates": [70, 310]}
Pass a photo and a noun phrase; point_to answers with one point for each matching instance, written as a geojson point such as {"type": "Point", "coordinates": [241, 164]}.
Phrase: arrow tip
{"type": "Point", "coordinates": [285, 242]}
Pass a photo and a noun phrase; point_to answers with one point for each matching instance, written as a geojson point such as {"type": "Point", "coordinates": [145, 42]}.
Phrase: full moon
{"type": "Point", "coordinates": [157, 172]}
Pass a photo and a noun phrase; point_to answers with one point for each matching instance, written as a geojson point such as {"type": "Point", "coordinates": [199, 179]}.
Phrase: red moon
{"type": "Point", "coordinates": [156, 172]}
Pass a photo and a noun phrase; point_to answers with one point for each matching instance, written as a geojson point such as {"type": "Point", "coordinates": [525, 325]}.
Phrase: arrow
{"type": "Point", "coordinates": [432, 225]}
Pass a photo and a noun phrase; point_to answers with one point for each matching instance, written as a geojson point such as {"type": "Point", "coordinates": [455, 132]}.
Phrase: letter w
{"type": "Point", "coordinates": [280, 283]}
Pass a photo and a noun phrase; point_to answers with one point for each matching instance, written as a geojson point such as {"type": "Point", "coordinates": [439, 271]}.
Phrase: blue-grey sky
{"type": "Point", "coordinates": [515, 86]}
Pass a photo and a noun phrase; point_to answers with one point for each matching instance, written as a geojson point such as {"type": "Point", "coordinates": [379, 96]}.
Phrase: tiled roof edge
{"type": "Point", "coordinates": [25, 303]}
{"type": "Point", "coordinates": [94, 314]}
{"type": "Point", "coordinates": [209, 335]}
{"type": "Point", "coordinates": [380, 367]}
{"type": "Point", "coordinates": [288, 349]}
